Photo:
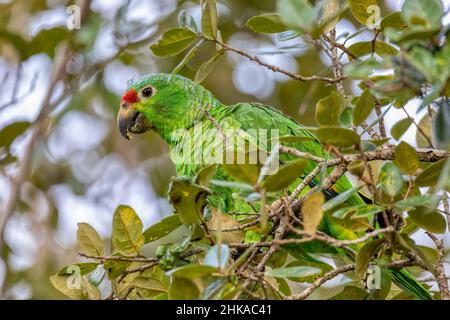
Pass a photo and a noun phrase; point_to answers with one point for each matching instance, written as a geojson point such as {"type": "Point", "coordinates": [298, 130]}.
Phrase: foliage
{"type": "Point", "coordinates": [238, 255]}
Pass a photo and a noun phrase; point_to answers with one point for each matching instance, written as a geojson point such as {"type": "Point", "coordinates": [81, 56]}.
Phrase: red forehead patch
{"type": "Point", "coordinates": [130, 96]}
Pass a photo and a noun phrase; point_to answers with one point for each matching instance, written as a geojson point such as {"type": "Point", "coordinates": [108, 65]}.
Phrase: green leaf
{"type": "Point", "coordinates": [188, 199]}
{"type": "Point", "coordinates": [424, 61]}
{"type": "Point", "coordinates": [422, 13]}
{"type": "Point", "coordinates": [148, 287]}
{"type": "Point", "coordinates": [266, 23]}
{"type": "Point", "coordinates": [425, 126]}
{"type": "Point", "coordinates": [361, 69]}
{"type": "Point", "coordinates": [428, 219]}
{"type": "Point", "coordinates": [340, 198]}
{"type": "Point", "coordinates": [285, 175]}
{"type": "Point", "coordinates": [192, 271]}
{"type": "Point", "coordinates": [127, 238]}
{"type": "Point", "coordinates": [312, 212]}
{"type": "Point", "coordinates": [162, 228]}
{"type": "Point", "coordinates": [172, 42]}
{"type": "Point", "coordinates": [394, 21]}
{"type": "Point", "coordinates": [408, 244]}
{"type": "Point", "coordinates": [406, 158]}
{"type": "Point", "coordinates": [365, 211]}
{"type": "Point", "coordinates": [400, 127]}
{"type": "Point", "coordinates": [9, 133]}
{"type": "Point", "coordinates": [205, 68]}
{"type": "Point", "coordinates": [429, 201]}
{"type": "Point", "coordinates": [360, 10]}
{"type": "Point", "coordinates": [344, 212]}
{"type": "Point", "coordinates": [441, 127]}
{"type": "Point", "coordinates": [183, 289]}
{"type": "Point", "coordinates": [345, 119]}
{"type": "Point", "coordinates": [363, 48]}
{"type": "Point", "coordinates": [390, 180]}
{"type": "Point", "coordinates": [339, 137]}
{"type": "Point", "coordinates": [90, 241]}
{"type": "Point", "coordinates": [293, 272]}
{"type": "Point", "coordinates": [429, 176]}
{"type": "Point", "coordinates": [363, 107]}
{"type": "Point", "coordinates": [188, 57]}
{"type": "Point", "coordinates": [115, 268]}
{"type": "Point", "coordinates": [365, 255]}
{"type": "Point", "coordinates": [205, 175]}
{"type": "Point", "coordinates": [350, 293]}
{"type": "Point", "coordinates": [309, 261]}
{"type": "Point", "coordinates": [287, 35]}
{"type": "Point", "coordinates": [328, 109]}
{"type": "Point", "coordinates": [209, 19]}
{"type": "Point", "coordinates": [298, 14]}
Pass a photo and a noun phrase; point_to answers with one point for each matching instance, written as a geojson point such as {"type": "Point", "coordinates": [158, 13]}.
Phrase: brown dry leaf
{"type": "Point", "coordinates": [221, 221]}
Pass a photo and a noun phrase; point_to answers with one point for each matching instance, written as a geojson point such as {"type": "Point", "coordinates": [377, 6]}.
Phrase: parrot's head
{"type": "Point", "coordinates": [153, 102]}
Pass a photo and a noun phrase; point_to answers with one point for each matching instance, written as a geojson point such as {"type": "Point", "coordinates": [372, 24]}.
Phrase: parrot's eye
{"type": "Point", "coordinates": [147, 92]}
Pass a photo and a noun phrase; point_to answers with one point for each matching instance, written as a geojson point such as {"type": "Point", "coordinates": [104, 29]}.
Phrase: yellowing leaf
{"type": "Point", "coordinates": [425, 134]}
{"type": "Point", "coordinates": [363, 48]}
{"type": "Point", "coordinates": [183, 289]}
{"type": "Point", "coordinates": [406, 158]}
{"type": "Point", "coordinates": [209, 19]}
{"type": "Point", "coordinates": [339, 137]}
{"type": "Point", "coordinates": [285, 175]}
{"type": "Point", "coordinates": [360, 10]}
{"type": "Point", "coordinates": [400, 127]}
{"type": "Point", "coordinates": [329, 108]}
{"type": "Point", "coordinates": [363, 107]}
{"type": "Point", "coordinates": [90, 241]}
{"type": "Point", "coordinates": [390, 180]}
{"type": "Point", "coordinates": [430, 220]}
{"type": "Point", "coordinates": [172, 42]}
{"type": "Point", "coordinates": [312, 212]}
{"type": "Point", "coordinates": [188, 199]}
{"type": "Point", "coordinates": [127, 238]}
{"type": "Point", "coordinates": [429, 176]}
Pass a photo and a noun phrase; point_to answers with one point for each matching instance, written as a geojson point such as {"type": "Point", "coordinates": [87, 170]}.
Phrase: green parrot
{"type": "Point", "coordinates": [175, 107]}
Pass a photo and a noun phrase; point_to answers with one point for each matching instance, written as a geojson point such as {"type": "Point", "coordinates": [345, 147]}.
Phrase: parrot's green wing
{"type": "Point", "coordinates": [248, 116]}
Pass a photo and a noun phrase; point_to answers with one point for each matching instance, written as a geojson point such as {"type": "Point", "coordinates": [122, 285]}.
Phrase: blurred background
{"type": "Point", "coordinates": [76, 167]}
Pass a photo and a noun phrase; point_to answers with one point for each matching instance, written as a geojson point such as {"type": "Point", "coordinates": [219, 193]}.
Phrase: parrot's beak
{"type": "Point", "coordinates": [131, 121]}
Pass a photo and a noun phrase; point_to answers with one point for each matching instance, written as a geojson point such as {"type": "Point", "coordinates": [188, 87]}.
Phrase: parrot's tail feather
{"type": "Point", "coordinates": [406, 281]}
